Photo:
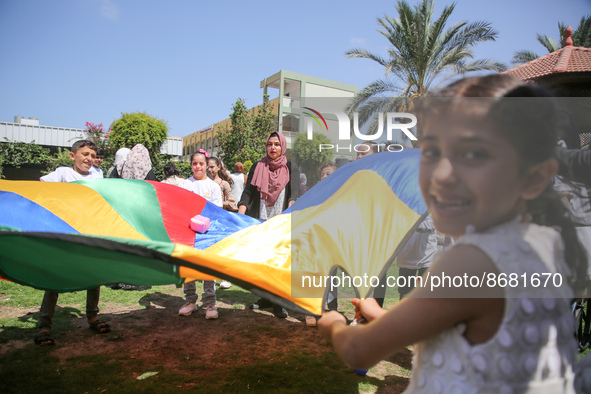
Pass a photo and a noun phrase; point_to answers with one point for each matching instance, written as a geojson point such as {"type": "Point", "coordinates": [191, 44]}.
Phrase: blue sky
{"type": "Point", "coordinates": [186, 62]}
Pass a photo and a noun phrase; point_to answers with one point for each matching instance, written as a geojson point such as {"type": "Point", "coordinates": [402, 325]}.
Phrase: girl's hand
{"type": "Point", "coordinates": [367, 309]}
{"type": "Point", "coordinates": [327, 321]}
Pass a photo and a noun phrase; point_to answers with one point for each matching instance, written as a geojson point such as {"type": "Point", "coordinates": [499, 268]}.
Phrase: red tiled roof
{"type": "Point", "coordinates": [569, 59]}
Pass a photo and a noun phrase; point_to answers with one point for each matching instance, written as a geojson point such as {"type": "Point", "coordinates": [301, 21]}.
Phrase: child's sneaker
{"type": "Point", "coordinates": [225, 284]}
{"type": "Point", "coordinates": [187, 309]}
{"type": "Point", "coordinates": [211, 312]}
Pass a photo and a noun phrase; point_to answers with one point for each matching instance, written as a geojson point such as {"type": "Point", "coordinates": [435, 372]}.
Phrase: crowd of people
{"type": "Point", "coordinates": [489, 189]}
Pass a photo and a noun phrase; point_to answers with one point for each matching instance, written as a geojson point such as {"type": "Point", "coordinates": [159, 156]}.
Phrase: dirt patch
{"type": "Point", "coordinates": [14, 312]}
{"type": "Point", "coordinates": [154, 332]}
{"type": "Point", "coordinates": [159, 333]}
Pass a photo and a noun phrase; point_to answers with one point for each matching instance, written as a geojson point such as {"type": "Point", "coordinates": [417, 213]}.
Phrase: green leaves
{"type": "Point", "coordinates": [139, 128]}
{"type": "Point", "coordinates": [307, 155]}
{"type": "Point", "coordinates": [17, 154]}
{"type": "Point", "coordinates": [581, 38]}
{"type": "Point", "coordinates": [422, 54]}
{"type": "Point", "coordinates": [247, 136]}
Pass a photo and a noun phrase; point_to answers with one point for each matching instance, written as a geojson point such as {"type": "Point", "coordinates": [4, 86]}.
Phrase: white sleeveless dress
{"type": "Point", "coordinates": [534, 349]}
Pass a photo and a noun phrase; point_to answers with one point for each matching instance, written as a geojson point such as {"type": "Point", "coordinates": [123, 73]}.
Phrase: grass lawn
{"type": "Point", "coordinates": [152, 349]}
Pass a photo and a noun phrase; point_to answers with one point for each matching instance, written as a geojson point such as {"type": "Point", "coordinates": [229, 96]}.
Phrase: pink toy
{"type": "Point", "coordinates": [199, 224]}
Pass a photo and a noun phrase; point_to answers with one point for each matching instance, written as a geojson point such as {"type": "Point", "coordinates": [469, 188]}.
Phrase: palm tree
{"type": "Point", "coordinates": [581, 38]}
{"type": "Point", "coordinates": [422, 51]}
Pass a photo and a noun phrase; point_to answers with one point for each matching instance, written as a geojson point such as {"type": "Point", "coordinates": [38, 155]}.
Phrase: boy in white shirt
{"type": "Point", "coordinates": [82, 154]}
{"type": "Point", "coordinates": [96, 164]}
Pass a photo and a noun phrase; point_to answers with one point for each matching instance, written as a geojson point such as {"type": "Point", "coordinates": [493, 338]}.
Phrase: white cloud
{"type": "Point", "coordinates": [357, 41]}
{"type": "Point", "coordinates": [109, 10]}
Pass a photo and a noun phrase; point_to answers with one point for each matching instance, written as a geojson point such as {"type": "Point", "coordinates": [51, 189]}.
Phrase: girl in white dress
{"type": "Point", "coordinates": [200, 184]}
{"type": "Point", "coordinates": [502, 322]}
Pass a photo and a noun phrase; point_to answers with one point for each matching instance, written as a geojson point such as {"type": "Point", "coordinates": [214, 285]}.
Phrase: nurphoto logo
{"type": "Point", "coordinates": [392, 119]}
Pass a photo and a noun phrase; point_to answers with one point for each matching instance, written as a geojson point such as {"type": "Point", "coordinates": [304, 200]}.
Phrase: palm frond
{"type": "Point", "coordinates": [422, 50]}
{"type": "Point", "coordinates": [365, 54]}
{"type": "Point", "coordinates": [484, 64]}
{"type": "Point", "coordinates": [524, 56]}
{"type": "Point", "coordinates": [582, 34]}
{"type": "Point", "coordinates": [548, 43]}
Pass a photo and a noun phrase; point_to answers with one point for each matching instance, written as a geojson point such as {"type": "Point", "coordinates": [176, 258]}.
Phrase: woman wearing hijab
{"type": "Point", "coordinates": [138, 165]}
{"type": "Point", "coordinates": [133, 164]}
{"type": "Point", "coordinates": [268, 192]}
{"type": "Point", "coordinates": [120, 158]}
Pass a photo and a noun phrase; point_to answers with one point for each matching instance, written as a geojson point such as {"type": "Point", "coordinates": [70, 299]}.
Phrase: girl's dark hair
{"type": "Point", "coordinates": [525, 114]}
{"type": "Point", "coordinates": [222, 172]}
{"type": "Point", "coordinates": [197, 153]}
{"type": "Point", "coordinates": [170, 169]}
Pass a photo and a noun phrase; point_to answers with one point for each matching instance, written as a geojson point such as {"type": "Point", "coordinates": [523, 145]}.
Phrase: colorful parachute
{"type": "Point", "coordinates": [75, 236]}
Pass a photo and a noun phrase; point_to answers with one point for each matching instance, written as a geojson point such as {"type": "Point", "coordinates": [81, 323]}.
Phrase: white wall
{"type": "Point", "coordinates": [65, 137]}
{"type": "Point", "coordinates": [313, 90]}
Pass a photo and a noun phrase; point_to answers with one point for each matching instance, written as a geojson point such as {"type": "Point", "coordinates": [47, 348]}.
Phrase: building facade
{"type": "Point", "coordinates": [291, 89]}
{"type": "Point", "coordinates": [30, 131]}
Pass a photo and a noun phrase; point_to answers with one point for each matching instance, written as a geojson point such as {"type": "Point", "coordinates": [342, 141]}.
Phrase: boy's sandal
{"type": "Point", "coordinates": [43, 338]}
{"type": "Point", "coordinates": [100, 327]}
